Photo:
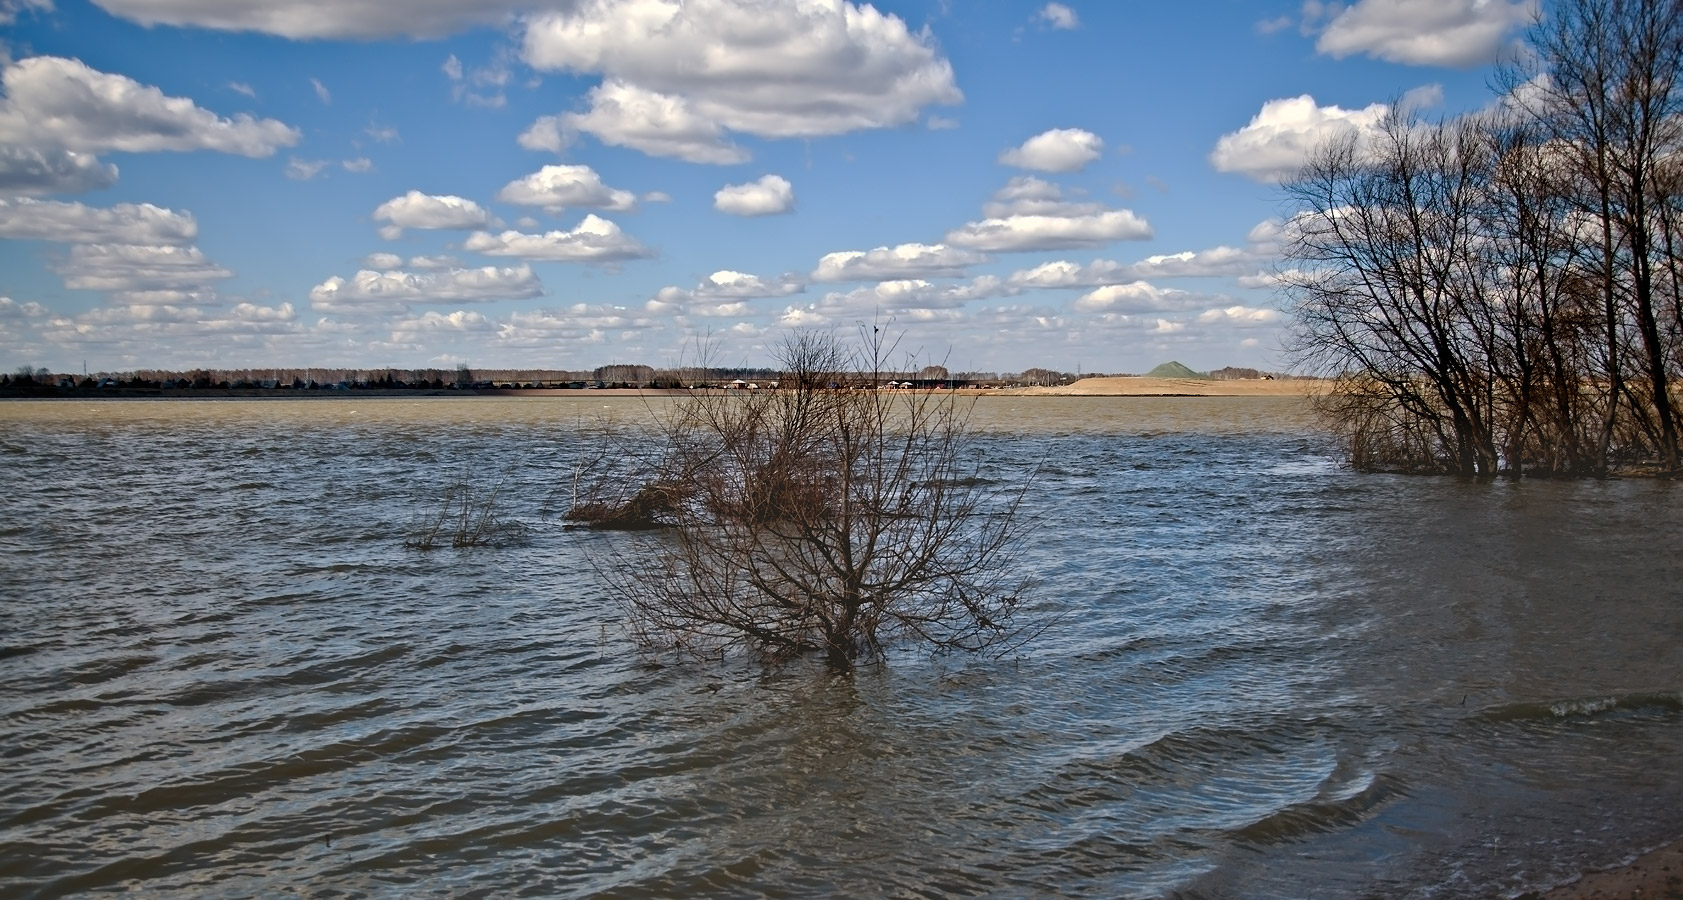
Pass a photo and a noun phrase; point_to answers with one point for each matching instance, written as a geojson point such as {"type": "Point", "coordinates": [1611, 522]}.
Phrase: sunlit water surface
{"type": "Point", "coordinates": [222, 674]}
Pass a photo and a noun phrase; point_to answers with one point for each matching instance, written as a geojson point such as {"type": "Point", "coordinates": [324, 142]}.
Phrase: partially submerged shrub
{"type": "Point", "coordinates": [653, 505]}
{"type": "Point", "coordinates": [822, 517]}
{"type": "Point", "coordinates": [467, 517]}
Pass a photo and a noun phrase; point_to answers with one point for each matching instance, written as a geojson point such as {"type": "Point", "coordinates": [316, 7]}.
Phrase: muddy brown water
{"type": "Point", "coordinates": [222, 674]}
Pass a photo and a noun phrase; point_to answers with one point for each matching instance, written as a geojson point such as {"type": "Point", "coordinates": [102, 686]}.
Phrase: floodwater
{"type": "Point", "coordinates": [222, 674]}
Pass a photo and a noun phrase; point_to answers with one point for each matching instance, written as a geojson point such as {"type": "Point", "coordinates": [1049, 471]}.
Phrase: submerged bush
{"type": "Point", "coordinates": [467, 517]}
{"type": "Point", "coordinates": [653, 505]}
{"type": "Point", "coordinates": [824, 516]}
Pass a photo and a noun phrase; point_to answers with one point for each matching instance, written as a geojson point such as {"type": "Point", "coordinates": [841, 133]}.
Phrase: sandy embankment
{"type": "Point", "coordinates": [1127, 386]}
{"type": "Point", "coordinates": [1140, 386]}
{"type": "Point", "coordinates": [1655, 876]}
{"type": "Point", "coordinates": [592, 393]}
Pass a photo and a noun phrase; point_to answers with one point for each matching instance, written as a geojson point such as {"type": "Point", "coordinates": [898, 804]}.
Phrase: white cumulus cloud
{"type": "Point", "coordinates": [304, 169]}
{"type": "Point", "coordinates": [11, 309]}
{"type": "Point", "coordinates": [125, 223]}
{"type": "Point", "coordinates": [418, 210]}
{"type": "Point", "coordinates": [1459, 33]}
{"type": "Point", "coordinates": [33, 171]}
{"type": "Point", "coordinates": [1058, 150]}
{"type": "Point", "coordinates": [892, 263]}
{"type": "Point", "coordinates": [433, 321]}
{"type": "Point", "coordinates": [909, 299]}
{"type": "Point", "coordinates": [371, 290]}
{"type": "Point", "coordinates": [544, 329]}
{"type": "Point", "coordinates": [1065, 274]}
{"type": "Point", "coordinates": [1280, 138]}
{"type": "Point", "coordinates": [1135, 297]}
{"type": "Point", "coordinates": [1060, 16]}
{"type": "Point", "coordinates": [595, 240]}
{"type": "Point", "coordinates": [1240, 316]}
{"type": "Point", "coordinates": [768, 196]}
{"type": "Point", "coordinates": [722, 293]}
{"type": "Point", "coordinates": [1026, 195]}
{"type": "Point", "coordinates": [308, 19]}
{"type": "Point", "coordinates": [63, 104]}
{"type": "Point", "coordinates": [1216, 261]}
{"type": "Point", "coordinates": [140, 254]}
{"type": "Point", "coordinates": [625, 115]}
{"type": "Point", "coordinates": [1031, 214]}
{"type": "Point", "coordinates": [434, 262]}
{"type": "Point", "coordinates": [252, 313]}
{"type": "Point", "coordinates": [678, 76]}
{"type": "Point", "coordinates": [547, 133]}
{"type": "Point", "coordinates": [138, 267]}
{"type": "Point", "coordinates": [721, 309]}
{"type": "Point", "coordinates": [894, 296]}
{"type": "Point", "coordinates": [1019, 233]}
{"type": "Point", "coordinates": [557, 187]}
{"type": "Point", "coordinates": [740, 285]}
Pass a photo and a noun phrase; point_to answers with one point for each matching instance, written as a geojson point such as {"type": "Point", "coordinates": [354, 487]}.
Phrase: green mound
{"type": "Point", "coordinates": [1174, 370]}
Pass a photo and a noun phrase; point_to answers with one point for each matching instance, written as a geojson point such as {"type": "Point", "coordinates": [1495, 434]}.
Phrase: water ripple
{"type": "Point", "coordinates": [225, 676]}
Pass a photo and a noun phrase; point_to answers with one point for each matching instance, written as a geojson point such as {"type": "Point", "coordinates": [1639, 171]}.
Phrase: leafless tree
{"type": "Point", "coordinates": [1604, 86]}
{"type": "Point", "coordinates": [826, 516]}
{"type": "Point", "coordinates": [624, 374]}
{"type": "Point", "coordinates": [1500, 292]}
{"type": "Point", "coordinates": [1381, 289]}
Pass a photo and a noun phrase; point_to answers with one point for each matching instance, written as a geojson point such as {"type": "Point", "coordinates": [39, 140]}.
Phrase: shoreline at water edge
{"type": "Point", "coordinates": [1146, 386]}
{"type": "Point", "coordinates": [1655, 875]}
{"type": "Point", "coordinates": [1120, 386]}
{"type": "Point", "coordinates": [1117, 386]}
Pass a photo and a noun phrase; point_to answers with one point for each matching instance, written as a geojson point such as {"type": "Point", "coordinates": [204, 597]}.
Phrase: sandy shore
{"type": "Point", "coordinates": [1127, 386]}
{"type": "Point", "coordinates": [588, 394]}
{"type": "Point", "coordinates": [1130, 386]}
{"type": "Point", "coordinates": [1655, 876]}
{"type": "Point", "coordinates": [1140, 386]}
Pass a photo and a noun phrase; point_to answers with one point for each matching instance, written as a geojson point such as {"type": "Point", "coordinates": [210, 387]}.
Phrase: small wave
{"type": "Point", "coordinates": [1338, 807]}
{"type": "Point", "coordinates": [100, 671]}
{"type": "Point", "coordinates": [1591, 707]}
{"type": "Point", "coordinates": [338, 568]}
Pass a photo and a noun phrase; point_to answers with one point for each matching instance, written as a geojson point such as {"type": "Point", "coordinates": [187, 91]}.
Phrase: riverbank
{"type": "Point", "coordinates": [1657, 875]}
{"type": "Point", "coordinates": [1120, 386]}
{"type": "Point", "coordinates": [51, 393]}
{"type": "Point", "coordinates": [1113, 386]}
{"type": "Point", "coordinates": [1142, 386]}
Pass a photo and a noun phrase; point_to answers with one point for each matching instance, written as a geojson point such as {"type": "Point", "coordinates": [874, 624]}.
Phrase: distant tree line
{"type": "Point", "coordinates": [616, 375]}
{"type": "Point", "coordinates": [28, 379]}
{"type": "Point", "coordinates": [1500, 293]}
{"type": "Point", "coordinates": [245, 379]}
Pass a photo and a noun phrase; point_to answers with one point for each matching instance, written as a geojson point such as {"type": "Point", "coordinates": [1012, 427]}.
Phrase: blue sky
{"type": "Point", "coordinates": [570, 183]}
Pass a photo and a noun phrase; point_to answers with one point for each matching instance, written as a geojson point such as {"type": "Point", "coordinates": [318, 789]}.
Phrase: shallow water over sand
{"type": "Point", "coordinates": [223, 675]}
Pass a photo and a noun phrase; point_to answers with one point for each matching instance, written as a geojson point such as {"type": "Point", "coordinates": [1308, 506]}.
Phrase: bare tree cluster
{"type": "Point", "coordinates": [625, 374]}
{"type": "Point", "coordinates": [828, 516]}
{"type": "Point", "coordinates": [1502, 293]}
